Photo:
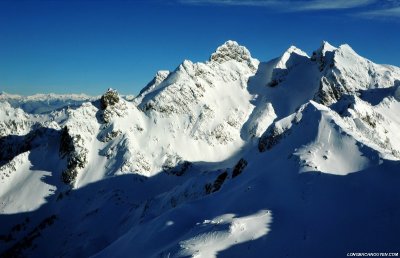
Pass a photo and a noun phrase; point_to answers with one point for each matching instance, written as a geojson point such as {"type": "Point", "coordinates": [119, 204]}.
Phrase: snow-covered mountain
{"type": "Point", "coordinates": [233, 157]}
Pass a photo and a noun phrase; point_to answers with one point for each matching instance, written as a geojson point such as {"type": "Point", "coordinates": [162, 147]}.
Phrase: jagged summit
{"type": "Point", "coordinates": [324, 55]}
{"type": "Point", "coordinates": [158, 78]}
{"type": "Point", "coordinates": [326, 46]}
{"type": "Point", "coordinates": [210, 159]}
{"type": "Point", "coordinates": [231, 50]}
{"type": "Point", "coordinates": [296, 50]}
{"type": "Point", "coordinates": [110, 98]}
{"type": "Point", "coordinates": [290, 57]}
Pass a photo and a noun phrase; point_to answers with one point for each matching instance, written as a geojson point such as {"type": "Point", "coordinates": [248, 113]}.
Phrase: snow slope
{"type": "Point", "coordinates": [294, 157]}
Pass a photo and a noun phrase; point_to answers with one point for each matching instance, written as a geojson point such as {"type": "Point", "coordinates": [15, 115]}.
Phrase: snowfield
{"type": "Point", "coordinates": [298, 156]}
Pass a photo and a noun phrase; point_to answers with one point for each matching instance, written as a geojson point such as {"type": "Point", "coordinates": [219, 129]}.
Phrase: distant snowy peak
{"type": "Point", "coordinates": [44, 103]}
{"type": "Point", "coordinates": [43, 97]}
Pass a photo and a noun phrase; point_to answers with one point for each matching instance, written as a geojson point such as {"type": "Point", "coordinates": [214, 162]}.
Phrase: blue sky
{"type": "Point", "coordinates": [87, 46]}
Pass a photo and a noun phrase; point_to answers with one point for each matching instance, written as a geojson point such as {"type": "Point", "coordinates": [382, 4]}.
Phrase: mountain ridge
{"type": "Point", "coordinates": [167, 166]}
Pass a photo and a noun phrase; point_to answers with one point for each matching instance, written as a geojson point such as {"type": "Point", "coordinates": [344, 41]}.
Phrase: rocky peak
{"type": "Point", "coordinates": [110, 98]}
{"type": "Point", "coordinates": [160, 77]}
{"type": "Point", "coordinates": [231, 50]}
{"type": "Point", "coordinates": [112, 105]}
{"type": "Point", "coordinates": [323, 55]}
{"type": "Point", "coordinates": [291, 57]}
{"type": "Point", "coordinates": [326, 47]}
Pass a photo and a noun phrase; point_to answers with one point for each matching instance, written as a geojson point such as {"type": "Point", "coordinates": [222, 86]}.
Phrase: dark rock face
{"type": "Point", "coordinates": [66, 142]}
{"type": "Point", "coordinates": [109, 136]}
{"type": "Point", "coordinates": [176, 167]}
{"type": "Point", "coordinates": [111, 105]}
{"type": "Point", "coordinates": [239, 167]}
{"type": "Point", "coordinates": [269, 139]}
{"type": "Point", "coordinates": [331, 89]}
{"type": "Point", "coordinates": [75, 159]}
{"type": "Point", "coordinates": [110, 98]}
{"type": "Point", "coordinates": [211, 188]}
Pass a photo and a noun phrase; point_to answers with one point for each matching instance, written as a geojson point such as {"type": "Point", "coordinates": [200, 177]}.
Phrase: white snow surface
{"type": "Point", "coordinates": [231, 157]}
